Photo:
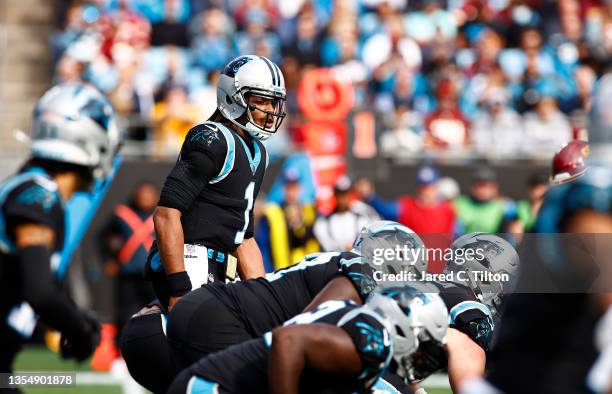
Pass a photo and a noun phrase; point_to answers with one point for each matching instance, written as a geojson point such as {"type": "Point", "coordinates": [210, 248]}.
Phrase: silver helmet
{"type": "Point", "coordinates": [74, 123]}
{"type": "Point", "coordinates": [391, 248]}
{"type": "Point", "coordinates": [252, 76]}
{"type": "Point", "coordinates": [414, 315]}
{"type": "Point", "coordinates": [482, 257]}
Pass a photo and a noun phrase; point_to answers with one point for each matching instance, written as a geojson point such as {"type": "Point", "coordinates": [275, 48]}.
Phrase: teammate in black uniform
{"type": "Point", "coordinates": [204, 219]}
{"type": "Point", "coordinates": [338, 347]}
{"type": "Point", "coordinates": [216, 316]}
{"type": "Point", "coordinates": [74, 141]}
{"type": "Point", "coordinates": [471, 320]}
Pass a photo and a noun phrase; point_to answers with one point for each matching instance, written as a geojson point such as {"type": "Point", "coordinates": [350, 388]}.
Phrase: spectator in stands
{"type": "Point", "coordinates": [173, 117]}
{"type": "Point", "coordinates": [285, 233]}
{"type": "Point", "coordinates": [527, 210]}
{"type": "Point", "coordinates": [79, 19]}
{"type": "Point", "coordinates": [404, 137]}
{"type": "Point", "coordinates": [172, 28]}
{"type": "Point", "coordinates": [546, 128]}
{"type": "Point", "coordinates": [256, 33]}
{"type": "Point", "coordinates": [425, 212]}
{"type": "Point", "coordinates": [483, 209]}
{"type": "Point", "coordinates": [306, 47]}
{"type": "Point", "coordinates": [446, 127]}
{"type": "Point", "coordinates": [212, 48]}
{"type": "Point", "coordinates": [126, 242]}
{"type": "Point", "coordinates": [497, 130]}
{"type": "Point", "coordinates": [432, 20]}
{"type": "Point", "coordinates": [585, 77]}
{"type": "Point", "coordinates": [268, 6]}
{"type": "Point", "coordinates": [337, 231]}
{"type": "Point", "coordinates": [68, 70]}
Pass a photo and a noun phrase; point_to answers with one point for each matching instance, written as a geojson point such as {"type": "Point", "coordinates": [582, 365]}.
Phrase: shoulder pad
{"type": "Point", "coordinates": [216, 139]}
{"type": "Point", "coordinates": [360, 273]}
{"type": "Point", "coordinates": [38, 195]}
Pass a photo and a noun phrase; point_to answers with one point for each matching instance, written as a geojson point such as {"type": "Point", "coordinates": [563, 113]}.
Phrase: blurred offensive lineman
{"type": "Point", "coordinates": [204, 219]}
{"type": "Point", "coordinates": [470, 318]}
{"type": "Point", "coordinates": [338, 347]}
{"type": "Point", "coordinates": [216, 315]}
{"type": "Point", "coordinates": [74, 141]}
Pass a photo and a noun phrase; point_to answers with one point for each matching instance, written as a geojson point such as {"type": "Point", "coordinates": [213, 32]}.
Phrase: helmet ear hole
{"type": "Point", "coordinates": [228, 100]}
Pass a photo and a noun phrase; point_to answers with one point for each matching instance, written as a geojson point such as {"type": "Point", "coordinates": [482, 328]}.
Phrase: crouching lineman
{"type": "Point", "coordinates": [74, 141]}
{"type": "Point", "coordinates": [204, 219]}
{"type": "Point", "coordinates": [216, 315]}
{"type": "Point", "coordinates": [469, 304]}
{"type": "Point", "coordinates": [337, 347]}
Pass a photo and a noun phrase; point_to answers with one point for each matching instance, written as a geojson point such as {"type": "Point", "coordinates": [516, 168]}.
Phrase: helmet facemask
{"type": "Point", "coordinates": [259, 103]}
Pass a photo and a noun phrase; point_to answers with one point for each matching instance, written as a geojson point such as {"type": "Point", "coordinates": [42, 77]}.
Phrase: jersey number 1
{"type": "Point", "coordinates": [248, 195]}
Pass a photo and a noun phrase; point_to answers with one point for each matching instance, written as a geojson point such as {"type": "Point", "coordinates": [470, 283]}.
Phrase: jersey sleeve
{"type": "Point", "coordinates": [360, 273]}
{"type": "Point", "coordinates": [203, 156]}
{"type": "Point", "coordinates": [470, 316]}
{"type": "Point", "coordinates": [371, 340]}
{"type": "Point", "coordinates": [33, 202]}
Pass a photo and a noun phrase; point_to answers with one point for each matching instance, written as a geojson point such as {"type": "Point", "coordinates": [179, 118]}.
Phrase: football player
{"type": "Point", "coordinates": [217, 316]}
{"type": "Point", "coordinates": [337, 347]}
{"type": "Point", "coordinates": [564, 286]}
{"type": "Point", "coordinates": [471, 321]}
{"type": "Point", "coordinates": [74, 142]}
{"type": "Point", "coordinates": [204, 219]}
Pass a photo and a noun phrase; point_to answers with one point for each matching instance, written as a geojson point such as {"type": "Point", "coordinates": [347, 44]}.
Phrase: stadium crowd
{"type": "Point", "coordinates": [498, 78]}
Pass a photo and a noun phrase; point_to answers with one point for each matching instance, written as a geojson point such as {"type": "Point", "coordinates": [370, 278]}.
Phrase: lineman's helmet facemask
{"type": "Point", "coordinates": [391, 248]}
{"type": "Point", "coordinates": [74, 123]}
{"type": "Point", "coordinates": [484, 253]}
{"type": "Point", "coordinates": [417, 320]}
{"type": "Point", "coordinates": [253, 86]}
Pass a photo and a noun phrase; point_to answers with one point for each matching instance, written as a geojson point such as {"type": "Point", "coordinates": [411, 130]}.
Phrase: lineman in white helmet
{"type": "Point", "coordinates": [470, 324]}
{"type": "Point", "coordinates": [74, 142]}
{"type": "Point", "coordinates": [338, 347]}
{"type": "Point", "coordinates": [205, 209]}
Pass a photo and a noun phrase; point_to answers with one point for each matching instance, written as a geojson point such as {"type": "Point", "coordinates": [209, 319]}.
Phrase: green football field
{"type": "Point", "coordinates": [37, 358]}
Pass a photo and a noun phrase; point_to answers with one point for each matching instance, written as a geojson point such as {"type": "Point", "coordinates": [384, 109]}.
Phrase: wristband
{"type": "Point", "coordinates": [178, 283]}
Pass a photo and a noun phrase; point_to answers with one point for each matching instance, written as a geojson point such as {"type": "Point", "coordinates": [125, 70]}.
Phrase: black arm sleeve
{"type": "Point", "coordinates": [42, 293]}
{"type": "Point", "coordinates": [189, 176]}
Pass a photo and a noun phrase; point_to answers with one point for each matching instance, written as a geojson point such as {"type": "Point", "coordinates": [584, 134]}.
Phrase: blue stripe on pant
{"type": "Point", "coordinates": [197, 385]}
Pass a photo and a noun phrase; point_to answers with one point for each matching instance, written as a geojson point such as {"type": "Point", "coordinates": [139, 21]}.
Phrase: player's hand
{"type": "Point", "coordinates": [172, 302]}
{"type": "Point", "coordinates": [80, 346]}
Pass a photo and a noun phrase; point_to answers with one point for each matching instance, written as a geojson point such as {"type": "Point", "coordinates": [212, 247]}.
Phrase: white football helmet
{"type": "Point", "coordinates": [417, 320]}
{"type": "Point", "coordinates": [490, 253]}
{"type": "Point", "coordinates": [74, 123]}
{"type": "Point", "coordinates": [382, 235]}
{"type": "Point", "coordinates": [248, 76]}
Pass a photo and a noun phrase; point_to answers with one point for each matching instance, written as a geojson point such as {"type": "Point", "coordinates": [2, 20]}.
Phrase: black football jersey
{"type": "Point", "coordinates": [220, 215]}
{"type": "Point", "coordinates": [28, 197]}
{"type": "Point", "coordinates": [466, 313]}
{"type": "Point", "coordinates": [243, 368]}
{"type": "Point", "coordinates": [265, 303]}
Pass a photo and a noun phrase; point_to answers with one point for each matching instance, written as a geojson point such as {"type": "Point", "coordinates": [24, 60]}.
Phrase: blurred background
{"type": "Point", "coordinates": [443, 115]}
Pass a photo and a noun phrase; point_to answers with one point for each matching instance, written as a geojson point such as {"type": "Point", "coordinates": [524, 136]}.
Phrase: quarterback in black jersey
{"type": "Point", "coordinates": [204, 219]}
{"type": "Point", "coordinates": [338, 347]}
{"type": "Point", "coordinates": [74, 142]}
